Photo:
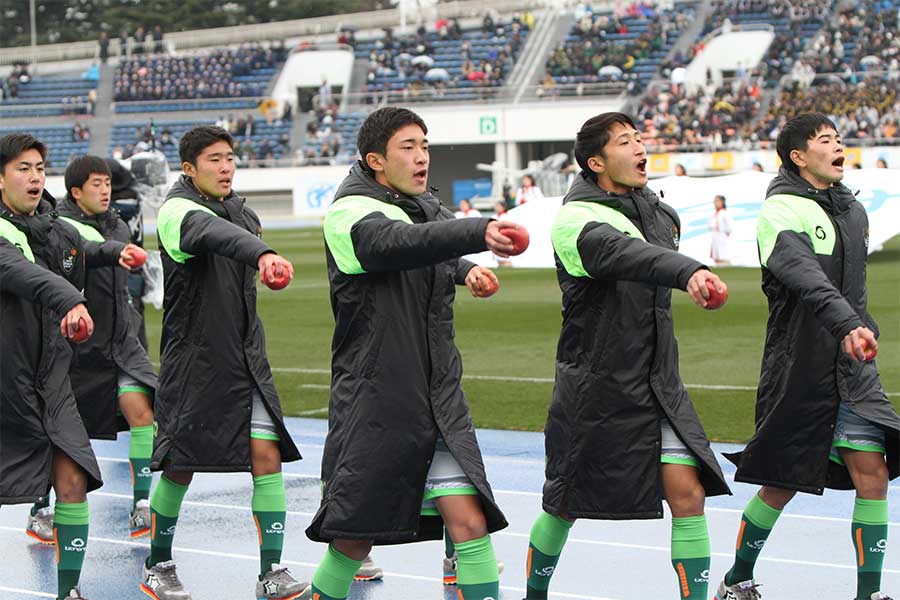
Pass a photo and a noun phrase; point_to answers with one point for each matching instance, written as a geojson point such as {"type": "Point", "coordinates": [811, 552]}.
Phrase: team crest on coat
{"type": "Point", "coordinates": [676, 236]}
{"type": "Point", "coordinates": [68, 260]}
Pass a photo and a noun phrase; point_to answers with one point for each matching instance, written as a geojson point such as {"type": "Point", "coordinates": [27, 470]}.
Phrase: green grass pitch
{"type": "Point", "coordinates": [513, 335]}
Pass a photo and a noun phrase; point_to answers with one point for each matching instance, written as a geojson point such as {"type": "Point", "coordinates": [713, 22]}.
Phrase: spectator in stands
{"type": "Point", "coordinates": [499, 210]}
{"type": "Point", "coordinates": [680, 170]}
{"type": "Point", "coordinates": [528, 191]}
{"type": "Point", "coordinates": [123, 42]}
{"type": "Point", "coordinates": [881, 163]}
{"type": "Point", "coordinates": [757, 167]}
{"type": "Point", "coordinates": [103, 43]}
{"type": "Point", "coordinates": [158, 46]}
{"type": "Point", "coordinates": [139, 37]}
{"type": "Point", "coordinates": [325, 97]}
{"type": "Point", "coordinates": [466, 210]}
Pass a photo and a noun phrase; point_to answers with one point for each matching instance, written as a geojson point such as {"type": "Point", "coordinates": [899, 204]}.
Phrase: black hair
{"type": "Point", "coordinates": [796, 133]}
{"type": "Point", "coordinates": [14, 144]}
{"type": "Point", "coordinates": [379, 126]}
{"type": "Point", "coordinates": [81, 168]}
{"type": "Point", "coordinates": [594, 135]}
{"type": "Point", "coordinates": [198, 139]}
{"type": "Point", "coordinates": [722, 198]}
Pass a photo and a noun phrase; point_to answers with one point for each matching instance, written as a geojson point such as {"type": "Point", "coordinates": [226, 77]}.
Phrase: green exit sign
{"type": "Point", "coordinates": [488, 126]}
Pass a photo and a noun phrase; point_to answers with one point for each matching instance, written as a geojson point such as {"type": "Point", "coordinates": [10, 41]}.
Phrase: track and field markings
{"type": "Point", "coordinates": [511, 379]}
{"type": "Point", "coordinates": [284, 562]}
{"type": "Point", "coordinates": [26, 592]}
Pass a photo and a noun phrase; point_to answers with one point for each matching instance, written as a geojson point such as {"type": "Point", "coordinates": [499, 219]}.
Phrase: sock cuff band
{"type": "Point", "coordinates": [71, 514]}
{"type": "Point", "coordinates": [268, 493]}
{"type": "Point", "coordinates": [549, 533]}
{"type": "Point", "coordinates": [761, 514]}
{"type": "Point", "coordinates": [690, 538]}
{"type": "Point", "coordinates": [141, 445]}
{"type": "Point", "coordinates": [167, 497]}
{"type": "Point", "coordinates": [477, 563]}
{"type": "Point", "coordinates": [870, 512]}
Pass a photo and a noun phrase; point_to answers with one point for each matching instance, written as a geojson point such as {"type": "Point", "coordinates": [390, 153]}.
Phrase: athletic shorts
{"type": "Point", "coordinates": [674, 451]}
{"type": "Point", "coordinates": [853, 432]}
{"type": "Point", "coordinates": [445, 478]}
{"type": "Point", "coordinates": [126, 383]}
{"type": "Point", "coordinates": [262, 427]}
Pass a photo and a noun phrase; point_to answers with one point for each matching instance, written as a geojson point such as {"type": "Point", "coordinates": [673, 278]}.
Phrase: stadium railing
{"type": "Point", "coordinates": [223, 103]}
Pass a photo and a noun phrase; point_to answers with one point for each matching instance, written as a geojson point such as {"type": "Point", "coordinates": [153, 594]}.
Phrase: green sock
{"type": "Point", "coordinates": [164, 508]}
{"type": "Point", "coordinates": [449, 548]}
{"type": "Point", "coordinates": [870, 531]}
{"type": "Point", "coordinates": [139, 452]}
{"type": "Point", "coordinates": [269, 511]}
{"type": "Point", "coordinates": [548, 536]}
{"type": "Point", "coordinates": [44, 502]}
{"type": "Point", "coordinates": [756, 525]}
{"type": "Point", "coordinates": [477, 577]}
{"type": "Point", "coordinates": [334, 576]}
{"type": "Point", "coordinates": [70, 528]}
{"type": "Point", "coordinates": [690, 555]}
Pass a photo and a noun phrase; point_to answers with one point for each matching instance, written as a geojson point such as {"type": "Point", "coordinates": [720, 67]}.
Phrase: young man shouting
{"type": "Point", "coordinates": [622, 433]}
{"type": "Point", "coordinates": [401, 455]}
{"type": "Point", "coordinates": [822, 417]}
{"type": "Point", "coordinates": [217, 408]}
{"type": "Point", "coordinates": [42, 438]}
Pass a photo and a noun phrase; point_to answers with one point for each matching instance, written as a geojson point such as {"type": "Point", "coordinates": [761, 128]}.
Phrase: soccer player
{"type": "Point", "coordinates": [112, 370]}
{"type": "Point", "coordinates": [401, 455]}
{"type": "Point", "coordinates": [621, 432]}
{"type": "Point", "coordinates": [42, 438]}
{"type": "Point", "coordinates": [217, 408]}
{"type": "Point", "coordinates": [822, 416]}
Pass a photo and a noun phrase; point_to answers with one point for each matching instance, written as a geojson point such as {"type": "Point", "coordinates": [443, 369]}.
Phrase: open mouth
{"type": "Point", "coordinates": [225, 182]}
{"type": "Point", "coordinates": [421, 175]}
{"type": "Point", "coordinates": [642, 166]}
{"type": "Point", "coordinates": [838, 162]}
{"type": "Point", "coordinates": [34, 192]}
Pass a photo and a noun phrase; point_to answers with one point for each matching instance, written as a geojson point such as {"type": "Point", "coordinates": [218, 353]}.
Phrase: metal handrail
{"type": "Point", "coordinates": [113, 105]}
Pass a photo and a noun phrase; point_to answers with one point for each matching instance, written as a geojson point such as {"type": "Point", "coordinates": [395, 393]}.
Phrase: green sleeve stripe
{"type": "Point", "coordinates": [86, 231]}
{"type": "Point", "coordinates": [168, 225]}
{"type": "Point", "coordinates": [11, 233]}
{"type": "Point", "coordinates": [784, 212]}
{"type": "Point", "coordinates": [340, 219]}
{"type": "Point", "coordinates": [569, 224]}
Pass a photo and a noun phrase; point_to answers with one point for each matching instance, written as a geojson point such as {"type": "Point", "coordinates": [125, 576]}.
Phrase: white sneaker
{"type": "Point", "coordinates": [744, 590]}
{"type": "Point", "coordinates": [880, 596]}
{"type": "Point", "coordinates": [161, 582]}
{"type": "Point", "coordinates": [369, 571]}
{"type": "Point", "coordinates": [139, 521]}
{"type": "Point", "coordinates": [40, 526]}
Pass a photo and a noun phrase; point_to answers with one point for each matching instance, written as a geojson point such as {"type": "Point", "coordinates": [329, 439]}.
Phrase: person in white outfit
{"type": "Point", "coordinates": [721, 228]}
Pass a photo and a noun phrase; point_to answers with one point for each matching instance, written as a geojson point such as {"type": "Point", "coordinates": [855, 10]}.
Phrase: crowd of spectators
{"type": "Point", "coordinates": [208, 75]}
{"type": "Point", "coordinates": [410, 60]}
{"type": "Point", "coordinates": [868, 110]}
{"type": "Point", "coordinates": [324, 143]}
{"type": "Point", "coordinates": [590, 54]}
{"type": "Point", "coordinates": [797, 11]}
{"type": "Point", "coordinates": [863, 37]}
{"type": "Point", "coordinates": [705, 118]}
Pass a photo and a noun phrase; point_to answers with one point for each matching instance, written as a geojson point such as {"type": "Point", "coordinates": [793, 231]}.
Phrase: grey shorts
{"type": "Point", "coordinates": [674, 451]}
{"type": "Point", "coordinates": [262, 427]}
{"type": "Point", "coordinates": [853, 432]}
{"type": "Point", "coordinates": [445, 478]}
{"type": "Point", "coordinates": [126, 383]}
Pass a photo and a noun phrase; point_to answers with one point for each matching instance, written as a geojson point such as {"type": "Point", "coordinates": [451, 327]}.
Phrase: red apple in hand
{"type": "Point", "coordinates": [136, 257]}
{"type": "Point", "coordinates": [870, 353]}
{"type": "Point", "coordinates": [716, 300]}
{"type": "Point", "coordinates": [519, 237]}
{"type": "Point", "coordinates": [81, 334]}
{"type": "Point", "coordinates": [489, 288]}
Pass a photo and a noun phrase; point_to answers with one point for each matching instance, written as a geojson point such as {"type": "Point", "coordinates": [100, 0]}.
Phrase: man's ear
{"type": "Point", "coordinates": [596, 164]}
{"type": "Point", "coordinates": [375, 161]}
{"type": "Point", "coordinates": [798, 158]}
{"type": "Point", "coordinates": [188, 169]}
{"type": "Point", "coordinates": [76, 192]}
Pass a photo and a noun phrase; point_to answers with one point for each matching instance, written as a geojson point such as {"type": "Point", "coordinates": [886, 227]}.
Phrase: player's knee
{"type": "Point", "coordinates": [776, 498]}
{"type": "Point", "coordinates": [266, 457]}
{"type": "Point", "coordinates": [874, 484]}
{"type": "Point", "coordinates": [468, 526]}
{"type": "Point", "coordinates": [354, 549]}
{"type": "Point", "coordinates": [688, 501]}
{"type": "Point", "coordinates": [71, 486]}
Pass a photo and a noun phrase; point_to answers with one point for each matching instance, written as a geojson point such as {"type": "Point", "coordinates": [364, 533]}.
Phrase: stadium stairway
{"type": "Point", "coordinates": [551, 28]}
{"type": "Point", "coordinates": [101, 124]}
{"type": "Point", "coordinates": [357, 78]}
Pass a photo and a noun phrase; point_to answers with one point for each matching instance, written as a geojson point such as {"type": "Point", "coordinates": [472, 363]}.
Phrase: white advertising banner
{"type": "Point", "coordinates": [877, 189]}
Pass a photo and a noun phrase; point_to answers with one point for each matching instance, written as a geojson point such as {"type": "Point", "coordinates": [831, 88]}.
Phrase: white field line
{"type": "Point", "coordinates": [511, 379]}
{"type": "Point", "coordinates": [255, 558]}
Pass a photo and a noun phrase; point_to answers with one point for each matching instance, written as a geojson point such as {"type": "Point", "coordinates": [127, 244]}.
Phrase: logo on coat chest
{"type": "Point", "coordinates": [68, 261]}
{"type": "Point", "coordinates": [820, 232]}
{"type": "Point", "coordinates": [676, 236]}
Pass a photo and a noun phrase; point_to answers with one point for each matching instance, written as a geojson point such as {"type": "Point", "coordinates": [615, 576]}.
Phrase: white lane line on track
{"type": "Point", "coordinates": [255, 558]}
{"type": "Point", "coordinates": [27, 592]}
